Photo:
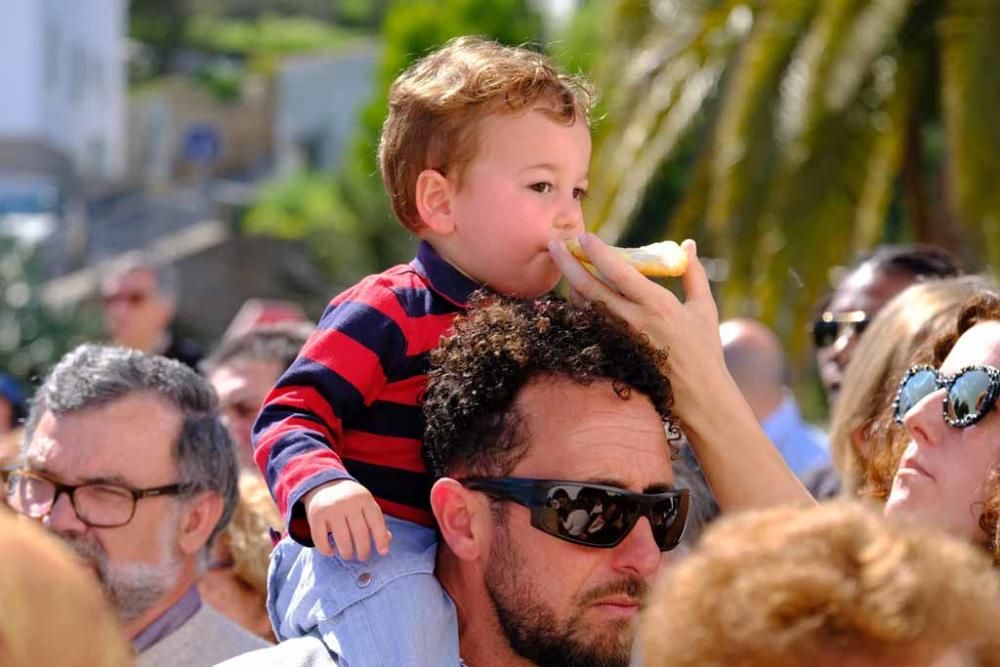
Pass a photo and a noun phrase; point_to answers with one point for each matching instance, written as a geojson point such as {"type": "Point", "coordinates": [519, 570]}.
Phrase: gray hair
{"type": "Point", "coordinates": [95, 375]}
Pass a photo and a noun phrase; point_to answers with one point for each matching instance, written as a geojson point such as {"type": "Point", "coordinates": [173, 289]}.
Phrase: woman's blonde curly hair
{"type": "Point", "coordinates": [819, 586]}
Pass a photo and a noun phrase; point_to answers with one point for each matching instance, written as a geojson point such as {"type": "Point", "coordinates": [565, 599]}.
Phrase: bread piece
{"type": "Point", "coordinates": [658, 260]}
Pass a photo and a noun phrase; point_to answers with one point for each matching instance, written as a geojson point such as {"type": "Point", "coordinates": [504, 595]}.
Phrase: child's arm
{"type": "Point", "coordinates": [339, 373]}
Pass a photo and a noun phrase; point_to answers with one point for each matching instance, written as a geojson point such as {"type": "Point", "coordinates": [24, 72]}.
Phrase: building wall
{"type": "Point", "coordinates": [83, 86]}
{"type": "Point", "coordinates": [21, 55]}
{"type": "Point", "coordinates": [63, 82]}
{"type": "Point", "coordinates": [318, 107]}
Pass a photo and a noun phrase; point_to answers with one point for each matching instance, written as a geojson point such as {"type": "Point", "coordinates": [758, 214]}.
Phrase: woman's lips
{"type": "Point", "coordinates": [912, 465]}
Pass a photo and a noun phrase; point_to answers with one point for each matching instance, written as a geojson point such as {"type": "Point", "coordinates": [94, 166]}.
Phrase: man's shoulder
{"type": "Point", "coordinates": [298, 652]}
{"type": "Point", "coordinates": [206, 638]}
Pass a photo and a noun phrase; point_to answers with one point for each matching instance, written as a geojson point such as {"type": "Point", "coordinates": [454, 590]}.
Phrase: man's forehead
{"type": "Point", "coordinates": [132, 437]}
{"type": "Point", "coordinates": [133, 278]}
{"type": "Point", "coordinates": [590, 433]}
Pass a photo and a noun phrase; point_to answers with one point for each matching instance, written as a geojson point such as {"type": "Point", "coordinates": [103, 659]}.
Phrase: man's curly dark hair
{"type": "Point", "coordinates": [501, 346]}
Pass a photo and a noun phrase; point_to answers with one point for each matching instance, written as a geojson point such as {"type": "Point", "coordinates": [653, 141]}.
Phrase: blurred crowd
{"type": "Point", "coordinates": [443, 471]}
{"type": "Point", "coordinates": [836, 582]}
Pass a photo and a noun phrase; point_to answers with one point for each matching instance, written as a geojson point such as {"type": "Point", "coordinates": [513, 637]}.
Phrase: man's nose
{"type": "Point", "coordinates": [62, 518]}
{"type": "Point", "coordinates": [638, 554]}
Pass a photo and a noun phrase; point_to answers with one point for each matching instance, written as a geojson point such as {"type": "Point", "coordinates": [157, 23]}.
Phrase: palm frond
{"type": "Point", "coordinates": [656, 102]}
{"type": "Point", "coordinates": [971, 96]}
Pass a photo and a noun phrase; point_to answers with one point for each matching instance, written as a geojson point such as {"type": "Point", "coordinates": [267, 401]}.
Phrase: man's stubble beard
{"type": "Point", "coordinates": [535, 631]}
{"type": "Point", "coordinates": [132, 588]}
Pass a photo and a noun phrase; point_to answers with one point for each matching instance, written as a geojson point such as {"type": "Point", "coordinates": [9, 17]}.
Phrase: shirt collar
{"type": "Point", "coordinates": [444, 278]}
{"type": "Point", "coordinates": [169, 621]}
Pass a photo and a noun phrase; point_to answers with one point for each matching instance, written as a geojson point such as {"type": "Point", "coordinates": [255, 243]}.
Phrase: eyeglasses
{"type": "Point", "coordinates": [130, 298]}
{"type": "Point", "coordinates": [972, 391]}
{"type": "Point", "coordinates": [96, 504]}
{"type": "Point", "coordinates": [831, 326]}
{"type": "Point", "coordinates": [591, 514]}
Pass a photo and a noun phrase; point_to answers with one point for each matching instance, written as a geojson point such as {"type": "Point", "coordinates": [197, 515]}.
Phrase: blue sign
{"type": "Point", "coordinates": [202, 145]}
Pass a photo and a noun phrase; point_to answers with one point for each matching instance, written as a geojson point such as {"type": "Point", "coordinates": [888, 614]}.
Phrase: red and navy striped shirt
{"type": "Point", "coordinates": [348, 408]}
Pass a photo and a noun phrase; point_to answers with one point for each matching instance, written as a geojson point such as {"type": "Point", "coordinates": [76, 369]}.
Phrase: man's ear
{"type": "Point", "coordinates": [460, 517]}
{"type": "Point", "coordinates": [198, 520]}
{"type": "Point", "coordinates": [433, 196]}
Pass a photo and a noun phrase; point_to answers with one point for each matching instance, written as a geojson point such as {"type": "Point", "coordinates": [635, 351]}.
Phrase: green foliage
{"type": "Point", "coordinates": [32, 335]}
{"type": "Point", "coordinates": [307, 207]}
{"type": "Point", "coordinates": [366, 14]}
{"type": "Point", "coordinates": [223, 80]}
{"type": "Point", "coordinates": [268, 35]}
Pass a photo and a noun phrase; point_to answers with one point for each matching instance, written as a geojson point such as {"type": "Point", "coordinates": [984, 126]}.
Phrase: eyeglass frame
{"type": "Point", "coordinates": [174, 489]}
{"type": "Point", "coordinates": [857, 320]}
{"type": "Point", "coordinates": [946, 382]}
{"type": "Point", "coordinates": [533, 494]}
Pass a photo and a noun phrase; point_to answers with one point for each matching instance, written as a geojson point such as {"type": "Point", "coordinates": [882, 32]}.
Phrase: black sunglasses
{"type": "Point", "coordinates": [971, 392]}
{"type": "Point", "coordinates": [830, 326]}
{"type": "Point", "coordinates": [591, 514]}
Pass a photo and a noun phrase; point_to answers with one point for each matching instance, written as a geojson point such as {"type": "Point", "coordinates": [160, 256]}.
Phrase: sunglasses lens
{"type": "Point", "coordinates": [967, 396]}
{"type": "Point", "coordinates": [825, 333]}
{"type": "Point", "coordinates": [587, 515]}
{"type": "Point", "coordinates": [914, 389]}
{"type": "Point", "coordinates": [667, 520]}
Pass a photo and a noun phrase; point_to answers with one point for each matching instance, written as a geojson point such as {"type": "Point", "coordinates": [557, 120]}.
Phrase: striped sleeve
{"type": "Point", "coordinates": [340, 372]}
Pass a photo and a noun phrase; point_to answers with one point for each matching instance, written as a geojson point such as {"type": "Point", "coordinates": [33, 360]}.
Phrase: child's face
{"type": "Point", "coordinates": [523, 188]}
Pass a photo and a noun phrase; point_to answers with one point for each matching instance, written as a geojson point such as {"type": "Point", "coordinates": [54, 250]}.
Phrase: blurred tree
{"type": "Point", "coordinates": [162, 24]}
{"type": "Point", "coordinates": [32, 335]}
{"type": "Point", "coordinates": [367, 14]}
{"type": "Point", "coordinates": [351, 228]}
{"type": "Point", "coordinates": [808, 130]}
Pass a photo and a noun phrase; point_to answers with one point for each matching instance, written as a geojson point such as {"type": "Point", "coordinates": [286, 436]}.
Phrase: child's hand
{"type": "Point", "coordinates": [344, 512]}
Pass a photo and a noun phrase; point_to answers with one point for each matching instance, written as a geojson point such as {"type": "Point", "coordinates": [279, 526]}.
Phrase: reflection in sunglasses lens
{"type": "Point", "coordinates": [967, 394]}
{"type": "Point", "coordinates": [916, 388]}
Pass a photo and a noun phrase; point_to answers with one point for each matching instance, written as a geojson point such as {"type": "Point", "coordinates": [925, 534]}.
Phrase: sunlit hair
{"type": "Point", "coordinates": [821, 585]}
{"type": "Point", "coordinates": [247, 535]}
{"type": "Point", "coordinates": [981, 308]}
{"type": "Point", "coordinates": [437, 103]}
{"type": "Point", "coordinates": [891, 344]}
{"type": "Point", "coordinates": [52, 611]}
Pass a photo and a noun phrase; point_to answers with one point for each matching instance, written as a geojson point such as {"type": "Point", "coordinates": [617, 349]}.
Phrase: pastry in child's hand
{"type": "Point", "coordinates": [663, 259]}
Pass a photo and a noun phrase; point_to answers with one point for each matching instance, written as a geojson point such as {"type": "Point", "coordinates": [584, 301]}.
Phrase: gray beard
{"type": "Point", "coordinates": [132, 588]}
{"type": "Point", "coordinates": [533, 629]}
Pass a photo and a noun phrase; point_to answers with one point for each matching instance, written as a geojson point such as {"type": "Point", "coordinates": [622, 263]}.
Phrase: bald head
{"type": "Point", "coordinates": [755, 360]}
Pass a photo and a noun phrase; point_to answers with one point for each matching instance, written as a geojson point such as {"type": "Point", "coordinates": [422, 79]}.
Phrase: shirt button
{"type": "Point", "coordinates": [364, 580]}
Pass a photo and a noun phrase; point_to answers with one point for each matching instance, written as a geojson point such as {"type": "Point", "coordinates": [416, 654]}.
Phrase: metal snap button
{"type": "Point", "coordinates": [364, 579]}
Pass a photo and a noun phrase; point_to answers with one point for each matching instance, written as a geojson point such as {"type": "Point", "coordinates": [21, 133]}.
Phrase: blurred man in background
{"type": "Point", "coordinates": [755, 359]}
{"type": "Point", "coordinates": [242, 371]}
{"type": "Point", "coordinates": [139, 298]}
{"type": "Point", "coordinates": [861, 293]}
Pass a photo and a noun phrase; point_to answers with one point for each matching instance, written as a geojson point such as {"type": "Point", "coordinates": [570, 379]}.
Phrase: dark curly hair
{"type": "Point", "coordinates": [503, 344]}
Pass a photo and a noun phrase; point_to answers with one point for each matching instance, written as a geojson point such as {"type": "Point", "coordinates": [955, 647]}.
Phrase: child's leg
{"type": "Point", "coordinates": [385, 611]}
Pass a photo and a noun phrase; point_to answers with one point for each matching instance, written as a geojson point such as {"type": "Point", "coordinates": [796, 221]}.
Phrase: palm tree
{"type": "Point", "coordinates": [811, 130]}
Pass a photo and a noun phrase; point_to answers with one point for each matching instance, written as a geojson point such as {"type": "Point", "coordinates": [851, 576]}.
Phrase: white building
{"type": "Point", "coordinates": [63, 84]}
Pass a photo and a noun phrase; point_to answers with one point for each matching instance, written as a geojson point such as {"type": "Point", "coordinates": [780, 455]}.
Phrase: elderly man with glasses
{"type": "Point", "coordinates": [125, 459]}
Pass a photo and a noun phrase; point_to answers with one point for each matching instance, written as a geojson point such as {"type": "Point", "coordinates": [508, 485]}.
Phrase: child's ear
{"type": "Point", "coordinates": [433, 198]}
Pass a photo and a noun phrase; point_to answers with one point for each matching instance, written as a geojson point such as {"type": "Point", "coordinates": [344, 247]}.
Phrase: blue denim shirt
{"type": "Point", "coordinates": [802, 445]}
{"type": "Point", "coordinates": [388, 610]}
